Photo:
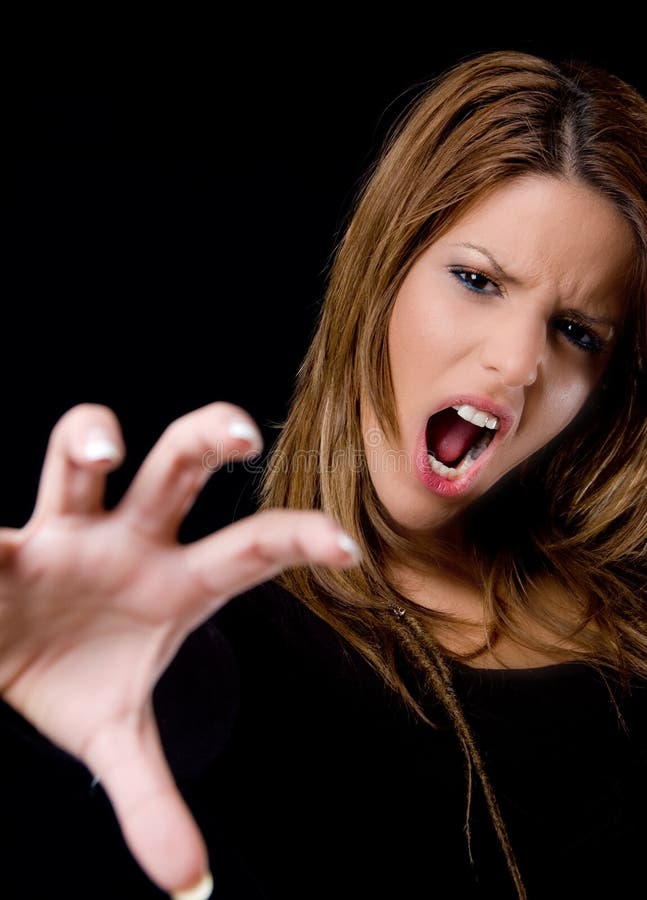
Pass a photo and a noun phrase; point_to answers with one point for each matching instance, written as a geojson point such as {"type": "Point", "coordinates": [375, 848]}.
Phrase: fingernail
{"type": "Point", "coordinates": [246, 431]}
{"type": "Point", "coordinates": [100, 447]}
{"type": "Point", "coordinates": [348, 544]}
{"type": "Point", "coordinates": [200, 891]}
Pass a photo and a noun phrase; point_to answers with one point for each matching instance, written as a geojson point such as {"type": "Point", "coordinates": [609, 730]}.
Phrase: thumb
{"type": "Point", "coordinates": [126, 757]}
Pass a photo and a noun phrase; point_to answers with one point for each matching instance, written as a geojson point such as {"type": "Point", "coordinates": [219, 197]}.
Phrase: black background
{"type": "Point", "coordinates": [169, 210]}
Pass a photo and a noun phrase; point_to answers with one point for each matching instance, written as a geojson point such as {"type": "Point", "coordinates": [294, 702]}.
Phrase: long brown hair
{"type": "Point", "coordinates": [576, 511]}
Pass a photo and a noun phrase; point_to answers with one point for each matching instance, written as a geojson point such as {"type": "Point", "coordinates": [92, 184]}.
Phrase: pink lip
{"type": "Point", "coordinates": [443, 486]}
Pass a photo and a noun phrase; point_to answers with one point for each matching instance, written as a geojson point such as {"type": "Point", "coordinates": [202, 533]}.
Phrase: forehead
{"type": "Point", "coordinates": [552, 233]}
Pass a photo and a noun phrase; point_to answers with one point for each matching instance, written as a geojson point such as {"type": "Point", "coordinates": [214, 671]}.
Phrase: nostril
{"type": "Point", "coordinates": [515, 352]}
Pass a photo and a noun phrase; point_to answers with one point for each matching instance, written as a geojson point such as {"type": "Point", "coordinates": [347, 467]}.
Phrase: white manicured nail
{"type": "Point", "coordinates": [99, 447]}
{"type": "Point", "coordinates": [348, 544]}
{"type": "Point", "coordinates": [201, 891]}
{"type": "Point", "coordinates": [246, 431]}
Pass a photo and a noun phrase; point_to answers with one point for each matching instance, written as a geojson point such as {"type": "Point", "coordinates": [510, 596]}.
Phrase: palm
{"type": "Point", "coordinates": [94, 605]}
{"type": "Point", "coordinates": [103, 602]}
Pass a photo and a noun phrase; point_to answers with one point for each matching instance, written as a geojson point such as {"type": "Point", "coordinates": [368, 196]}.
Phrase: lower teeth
{"type": "Point", "coordinates": [467, 462]}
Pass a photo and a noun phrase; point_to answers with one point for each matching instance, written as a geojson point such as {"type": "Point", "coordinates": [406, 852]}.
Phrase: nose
{"type": "Point", "coordinates": [515, 349]}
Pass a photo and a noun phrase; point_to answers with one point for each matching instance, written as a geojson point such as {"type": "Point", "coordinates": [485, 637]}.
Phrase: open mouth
{"type": "Point", "coordinates": [454, 443]}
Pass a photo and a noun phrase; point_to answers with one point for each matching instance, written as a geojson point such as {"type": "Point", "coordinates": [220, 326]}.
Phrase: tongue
{"type": "Point", "coordinates": [449, 437]}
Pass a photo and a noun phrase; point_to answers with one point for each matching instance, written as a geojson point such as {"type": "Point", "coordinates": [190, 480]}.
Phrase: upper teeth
{"type": "Point", "coordinates": [477, 416]}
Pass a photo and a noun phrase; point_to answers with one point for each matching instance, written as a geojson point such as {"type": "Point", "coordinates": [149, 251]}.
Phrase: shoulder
{"type": "Point", "coordinates": [268, 619]}
{"type": "Point", "coordinates": [265, 606]}
{"type": "Point", "coordinates": [256, 642]}
{"type": "Point", "coordinates": [283, 649]}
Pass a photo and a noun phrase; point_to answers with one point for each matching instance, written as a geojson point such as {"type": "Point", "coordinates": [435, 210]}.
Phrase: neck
{"type": "Point", "coordinates": [438, 574]}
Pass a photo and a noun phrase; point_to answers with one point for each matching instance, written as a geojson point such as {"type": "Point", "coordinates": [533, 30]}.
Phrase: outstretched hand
{"type": "Point", "coordinates": [94, 604]}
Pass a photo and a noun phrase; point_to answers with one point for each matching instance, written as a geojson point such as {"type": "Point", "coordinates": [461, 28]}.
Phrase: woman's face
{"type": "Point", "coordinates": [519, 330]}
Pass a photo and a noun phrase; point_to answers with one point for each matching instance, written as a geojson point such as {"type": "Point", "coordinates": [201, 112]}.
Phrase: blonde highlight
{"type": "Point", "coordinates": [576, 511]}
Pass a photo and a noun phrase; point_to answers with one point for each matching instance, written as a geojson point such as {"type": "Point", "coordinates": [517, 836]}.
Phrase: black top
{"type": "Point", "coordinates": [310, 780]}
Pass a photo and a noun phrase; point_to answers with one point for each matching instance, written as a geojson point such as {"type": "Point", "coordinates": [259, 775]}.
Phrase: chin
{"type": "Point", "coordinates": [425, 522]}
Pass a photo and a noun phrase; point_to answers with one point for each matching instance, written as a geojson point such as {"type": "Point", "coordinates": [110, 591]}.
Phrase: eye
{"type": "Point", "coordinates": [578, 334]}
{"type": "Point", "coordinates": [581, 336]}
{"type": "Point", "coordinates": [475, 280]}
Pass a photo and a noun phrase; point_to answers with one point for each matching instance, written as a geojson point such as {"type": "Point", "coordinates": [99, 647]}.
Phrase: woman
{"type": "Point", "coordinates": [445, 698]}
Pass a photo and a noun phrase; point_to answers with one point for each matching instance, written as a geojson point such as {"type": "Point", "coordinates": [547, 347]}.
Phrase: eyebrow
{"type": "Point", "coordinates": [503, 275]}
{"type": "Point", "coordinates": [500, 272]}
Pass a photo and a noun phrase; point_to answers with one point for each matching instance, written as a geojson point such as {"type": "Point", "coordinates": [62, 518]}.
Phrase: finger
{"type": "Point", "coordinates": [181, 462]}
{"type": "Point", "coordinates": [257, 548]}
{"type": "Point", "coordinates": [10, 539]}
{"type": "Point", "coordinates": [84, 446]}
{"type": "Point", "coordinates": [128, 760]}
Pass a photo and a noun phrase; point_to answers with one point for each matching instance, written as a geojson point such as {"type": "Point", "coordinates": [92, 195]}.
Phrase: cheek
{"type": "Point", "coordinates": [564, 399]}
{"type": "Point", "coordinates": [424, 333]}
{"type": "Point", "coordinates": [424, 314]}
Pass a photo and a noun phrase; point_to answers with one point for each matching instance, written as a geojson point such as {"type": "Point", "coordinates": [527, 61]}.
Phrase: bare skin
{"type": "Point", "coordinates": [535, 339]}
{"type": "Point", "coordinates": [85, 591]}
{"type": "Point", "coordinates": [458, 327]}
